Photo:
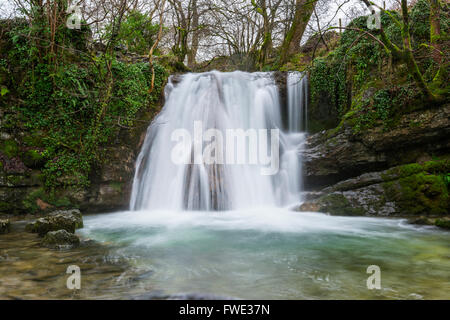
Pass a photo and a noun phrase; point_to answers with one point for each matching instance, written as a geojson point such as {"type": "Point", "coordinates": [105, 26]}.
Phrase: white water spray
{"type": "Point", "coordinates": [297, 102]}
{"type": "Point", "coordinates": [222, 101]}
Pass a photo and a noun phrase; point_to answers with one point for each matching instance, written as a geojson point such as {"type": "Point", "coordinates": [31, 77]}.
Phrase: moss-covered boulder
{"type": "Point", "coordinates": [419, 194]}
{"type": "Point", "coordinates": [60, 239]}
{"type": "Point", "coordinates": [441, 222]}
{"type": "Point", "coordinates": [419, 190]}
{"type": "Point", "coordinates": [69, 221]}
{"type": "Point", "coordinates": [9, 148]}
{"type": "Point", "coordinates": [5, 226]}
{"type": "Point", "coordinates": [33, 159]}
{"type": "Point", "coordinates": [338, 204]}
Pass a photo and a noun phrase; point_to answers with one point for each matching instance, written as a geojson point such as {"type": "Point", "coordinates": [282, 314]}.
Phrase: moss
{"type": "Point", "coordinates": [419, 194]}
{"type": "Point", "coordinates": [437, 167]}
{"type": "Point", "coordinates": [338, 204]}
{"type": "Point", "coordinates": [60, 239]}
{"type": "Point", "coordinates": [402, 171]}
{"type": "Point", "coordinates": [117, 186]}
{"type": "Point", "coordinates": [33, 159]}
{"type": "Point", "coordinates": [30, 201]}
{"type": "Point", "coordinates": [9, 148]}
{"type": "Point", "coordinates": [442, 223]}
{"type": "Point", "coordinates": [56, 221]}
{"type": "Point", "coordinates": [5, 206]}
{"type": "Point", "coordinates": [420, 188]}
{"type": "Point", "coordinates": [33, 140]}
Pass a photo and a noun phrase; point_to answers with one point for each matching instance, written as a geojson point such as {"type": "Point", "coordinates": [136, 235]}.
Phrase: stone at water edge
{"type": "Point", "coordinates": [442, 222]}
{"type": "Point", "coordinates": [309, 207]}
{"type": "Point", "coordinates": [73, 214]}
{"type": "Point", "coordinates": [5, 226]}
{"type": "Point", "coordinates": [68, 220]}
{"type": "Point", "coordinates": [60, 239]}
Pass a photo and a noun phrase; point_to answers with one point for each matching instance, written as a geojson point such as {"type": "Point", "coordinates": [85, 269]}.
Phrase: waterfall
{"type": "Point", "coordinates": [215, 104]}
{"type": "Point", "coordinates": [297, 102]}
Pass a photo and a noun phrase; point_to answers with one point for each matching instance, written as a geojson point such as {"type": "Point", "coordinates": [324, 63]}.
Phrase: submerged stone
{"type": "Point", "coordinates": [60, 239]}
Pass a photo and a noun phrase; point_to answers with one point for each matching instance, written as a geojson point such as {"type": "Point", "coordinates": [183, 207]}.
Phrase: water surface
{"type": "Point", "coordinates": [278, 254]}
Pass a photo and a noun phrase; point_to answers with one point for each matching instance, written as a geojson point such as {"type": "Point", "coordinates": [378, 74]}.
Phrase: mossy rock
{"type": "Point", "coordinates": [30, 202]}
{"type": "Point", "coordinates": [33, 159]}
{"type": "Point", "coordinates": [438, 167]}
{"type": "Point", "coordinates": [9, 148]}
{"type": "Point", "coordinates": [441, 223]}
{"type": "Point", "coordinates": [338, 204]}
{"type": "Point", "coordinates": [60, 239]}
{"type": "Point", "coordinates": [419, 194]}
{"type": "Point", "coordinates": [59, 220]}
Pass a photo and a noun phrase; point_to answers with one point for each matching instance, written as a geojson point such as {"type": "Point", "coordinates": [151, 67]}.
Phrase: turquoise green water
{"type": "Point", "coordinates": [274, 254]}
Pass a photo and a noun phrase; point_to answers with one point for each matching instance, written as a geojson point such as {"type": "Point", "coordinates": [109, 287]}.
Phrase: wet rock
{"type": "Point", "coordinates": [328, 161]}
{"type": "Point", "coordinates": [60, 239]}
{"type": "Point", "coordinates": [441, 222]}
{"type": "Point", "coordinates": [339, 154]}
{"type": "Point", "coordinates": [158, 295]}
{"type": "Point", "coordinates": [423, 221]}
{"type": "Point", "coordinates": [310, 207]}
{"type": "Point", "coordinates": [69, 221]}
{"type": "Point", "coordinates": [89, 243]}
{"type": "Point", "coordinates": [5, 226]}
{"type": "Point", "coordinates": [409, 190]}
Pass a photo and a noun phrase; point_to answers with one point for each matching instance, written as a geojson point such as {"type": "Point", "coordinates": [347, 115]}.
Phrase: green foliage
{"type": "Point", "coordinates": [441, 223]}
{"type": "Point", "coordinates": [9, 148]}
{"type": "Point", "coordinates": [419, 194]}
{"type": "Point", "coordinates": [59, 107]}
{"type": "Point", "coordinates": [138, 32]}
{"type": "Point", "coordinates": [446, 178]}
{"type": "Point", "coordinates": [33, 159]}
{"type": "Point", "coordinates": [359, 64]}
{"type": "Point", "coordinates": [328, 77]}
{"type": "Point", "coordinates": [30, 201]}
{"type": "Point", "coordinates": [420, 188]}
{"type": "Point", "coordinates": [367, 112]}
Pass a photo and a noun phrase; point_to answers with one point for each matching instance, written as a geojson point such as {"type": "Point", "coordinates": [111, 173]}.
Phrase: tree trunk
{"type": "Point", "coordinates": [195, 35]}
{"type": "Point", "coordinates": [435, 30]}
{"type": "Point", "coordinates": [291, 43]}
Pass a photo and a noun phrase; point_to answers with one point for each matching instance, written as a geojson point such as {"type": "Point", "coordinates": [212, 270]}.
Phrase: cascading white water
{"type": "Point", "coordinates": [220, 101]}
{"type": "Point", "coordinates": [297, 102]}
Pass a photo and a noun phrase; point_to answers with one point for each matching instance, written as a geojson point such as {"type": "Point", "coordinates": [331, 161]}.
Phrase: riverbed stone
{"type": "Point", "coordinates": [60, 239]}
{"type": "Point", "coordinates": [5, 226]}
{"type": "Point", "coordinates": [68, 220]}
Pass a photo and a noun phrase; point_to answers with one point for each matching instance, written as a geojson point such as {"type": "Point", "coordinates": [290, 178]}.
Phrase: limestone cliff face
{"type": "Point", "coordinates": [335, 155]}
{"type": "Point", "coordinates": [397, 172]}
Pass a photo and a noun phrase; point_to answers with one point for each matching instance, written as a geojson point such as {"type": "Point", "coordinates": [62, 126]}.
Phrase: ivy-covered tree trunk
{"type": "Point", "coordinates": [291, 43]}
{"type": "Point", "coordinates": [182, 50]}
{"type": "Point", "coordinates": [435, 30]}
{"type": "Point", "coordinates": [266, 46]}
